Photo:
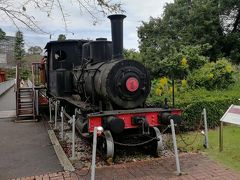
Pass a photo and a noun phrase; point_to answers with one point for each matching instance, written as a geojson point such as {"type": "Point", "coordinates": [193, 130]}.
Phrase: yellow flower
{"type": "Point", "coordinates": [158, 91]}
{"type": "Point", "coordinates": [210, 76]}
{"type": "Point", "coordinates": [184, 83]}
{"type": "Point", "coordinates": [171, 90]}
{"type": "Point", "coordinates": [228, 68]}
{"type": "Point", "coordinates": [163, 81]}
{"type": "Point", "coordinates": [184, 62]}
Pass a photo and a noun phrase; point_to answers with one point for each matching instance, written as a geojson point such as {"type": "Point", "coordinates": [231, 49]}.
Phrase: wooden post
{"type": "Point", "coordinates": [221, 137]}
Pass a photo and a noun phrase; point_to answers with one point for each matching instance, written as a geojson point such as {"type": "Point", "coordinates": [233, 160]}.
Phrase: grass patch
{"type": "Point", "coordinates": [230, 157]}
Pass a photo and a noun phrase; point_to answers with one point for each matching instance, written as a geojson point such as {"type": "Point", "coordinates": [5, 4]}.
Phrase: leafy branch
{"type": "Point", "coordinates": [18, 14]}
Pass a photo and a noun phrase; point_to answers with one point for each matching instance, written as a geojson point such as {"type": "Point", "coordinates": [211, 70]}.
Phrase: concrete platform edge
{"type": "Point", "coordinates": [65, 162]}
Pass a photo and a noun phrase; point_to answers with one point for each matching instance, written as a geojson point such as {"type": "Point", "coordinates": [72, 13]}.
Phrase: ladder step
{"type": "Point", "coordinates": [25, 103]}
{"type": "Point", "coordinates": [24, 88]}
{"type": "Point", "coordinates": [26, 96]}
{"type": "Point", "coordinates": [25, 115]}
{"type": "Point", "coordinates": [27, 92]}
{"type": "Point", "coordinates": [26, 109]}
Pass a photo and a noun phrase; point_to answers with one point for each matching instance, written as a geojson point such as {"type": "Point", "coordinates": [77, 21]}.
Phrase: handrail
{"type": "Point", "coordinates": [17, 88]}
{"type": "Point", "coordinates": [33, 84]}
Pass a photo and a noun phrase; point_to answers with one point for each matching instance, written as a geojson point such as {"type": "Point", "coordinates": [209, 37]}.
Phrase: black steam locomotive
{"type": "Point", "coordinates": [109, 90]}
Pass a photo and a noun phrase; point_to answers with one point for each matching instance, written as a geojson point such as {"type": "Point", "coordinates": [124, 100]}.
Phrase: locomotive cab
{"type": "Point", "coordinates": [61, 57]}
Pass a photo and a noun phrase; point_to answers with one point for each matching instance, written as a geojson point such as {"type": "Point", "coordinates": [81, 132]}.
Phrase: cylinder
{"type": "Point", "coordinates": [100, 50]}
{"type": "Point", "coordinates": [117, 35]}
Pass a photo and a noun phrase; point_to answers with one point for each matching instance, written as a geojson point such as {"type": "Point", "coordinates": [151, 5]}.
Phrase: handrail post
{"type": "Point", "coordinates": [97, 130]}
{"type": "Point", "coordinates": [37, 107]}
{"type": "Point", "coordinates": [221, 137]}
{"type": "Point", "coordinates": [73, 137]}
{"type": "Point", "coordinates": [175, 147]}
{"type": "Point", "coordinates": [62, 116]}
{"type": "Point", "coordinates": [33, 90]}
{"type": "Point", "coordinates": [50, 109]}
{"type": "Point", "coordinates": [206, 128]}
{"type": "Point", "coordinates": [56, 107]}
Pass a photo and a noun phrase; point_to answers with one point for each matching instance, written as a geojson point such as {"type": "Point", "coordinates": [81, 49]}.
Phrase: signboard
{"type": "Point", "coordinates": [232, 115]}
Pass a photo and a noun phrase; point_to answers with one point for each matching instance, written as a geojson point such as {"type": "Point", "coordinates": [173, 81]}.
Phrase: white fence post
{"type": "Point", "coordinates": [62, 116]}
{"type": "Point", "coordinates": [56, 108]}
{"type": "Point", "coordinates": [73, 137]}
{"type": "Point", "coordinates": [206, 128]}
{"type": "Point", "coordinates": [95, 132]}
{"type": "Point", "coordinates": [50, 109]}
{"type": "Point", "coordinates": [175, 147]}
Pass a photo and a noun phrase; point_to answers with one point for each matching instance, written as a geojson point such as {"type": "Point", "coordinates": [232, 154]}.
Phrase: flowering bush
{"type": "Point", "coordinates": [181, 62]}
{"type": "Point", "coordinates": [162, 89]}
{"type": "Point", "coordinates": [213, 75]}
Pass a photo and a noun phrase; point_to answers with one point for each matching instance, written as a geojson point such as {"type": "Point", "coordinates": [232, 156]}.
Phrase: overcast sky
{"type": "Point", "coordinates": [80, 25]}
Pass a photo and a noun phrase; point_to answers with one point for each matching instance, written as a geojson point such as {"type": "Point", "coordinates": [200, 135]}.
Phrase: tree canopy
{"type": "Point", "coordinates": [19, 46]}
{"type": "Point", "coordinates": [61, 37]}
{"type": "Point", "coordinates": [205, 23]}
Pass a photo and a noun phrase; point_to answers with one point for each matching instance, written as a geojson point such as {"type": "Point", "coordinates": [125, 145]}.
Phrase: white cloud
{"type": "Point", "coordinates": [80, 25]}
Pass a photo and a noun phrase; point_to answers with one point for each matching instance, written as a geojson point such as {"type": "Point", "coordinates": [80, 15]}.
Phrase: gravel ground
{"type": "Point", "coordinates": [84, 150]}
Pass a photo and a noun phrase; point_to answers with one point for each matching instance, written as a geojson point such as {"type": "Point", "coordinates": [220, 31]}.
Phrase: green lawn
{"type": "Point", "coordinates": [229, 157]}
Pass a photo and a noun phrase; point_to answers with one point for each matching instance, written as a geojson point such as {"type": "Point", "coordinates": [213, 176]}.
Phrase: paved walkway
{"type": "Point", "coordinates": [194, 166]}
{"type": "Point", "coordinates": [8, 104]}
{"type": "Point", "coordinates": [7, 100]}
{"type": "Point", "coordinates": [25, 150]}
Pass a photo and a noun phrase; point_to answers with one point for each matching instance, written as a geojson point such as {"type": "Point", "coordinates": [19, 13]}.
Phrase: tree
{"type": "Point", "coordinates": [18, 14]}
{"type": "Point", "coordinates": [132, 54]}
{"type": "Point", "coordinates": [35, 50]}
{"type": "Point", "coordinates": [2, 34]}
{"type": "Point", "coordinates": [61, 37]}
{"type": "Point", "coordinates": [195, 22]}
{"type": "Point", "coordinates": [19, 46]}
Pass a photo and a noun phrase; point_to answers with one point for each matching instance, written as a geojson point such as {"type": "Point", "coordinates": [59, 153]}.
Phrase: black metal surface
{"type": "Point", "coordinates": [130, 111]}
{"type": "Point", "coordinates": [100, 50]}
{"type": "Point", "coordinates": [114, 124]}
{"type": "Point", "coordinates": [106, 81]}
{"type": "Point", "coordinates": [117, 35]}
{"type": "Point", "coordinates": [85, 53]}
{"type": "Point", "coordinates": [61, 57]}
{"type": "Point", "coordinates": [167, 116]}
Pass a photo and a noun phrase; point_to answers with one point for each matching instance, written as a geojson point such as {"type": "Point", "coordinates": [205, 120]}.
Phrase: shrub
{"type": "Point", "coordinates": [161, 89]}
{"type": "Point", "coordinates": [216, 103]}
{"type": "Point", "coordinates": [213, 75]}
{"type": "Point", "coordinates": [192, 103]}
{"type": "Point", "coordinates": [181, 62]}
{"type": "Point", "coordinates": [25, 74]}
{"type": "Point", "coordinates": [192, 119]}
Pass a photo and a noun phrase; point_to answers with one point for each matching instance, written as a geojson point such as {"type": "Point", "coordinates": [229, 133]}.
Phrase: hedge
{"type": "Point", "coordinates": [192, 103]}
{"type": "Point", "coordinates": [192, 118]}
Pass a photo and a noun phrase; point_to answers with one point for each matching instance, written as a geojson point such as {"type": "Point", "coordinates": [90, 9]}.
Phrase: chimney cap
{"type": "Point", "coordinates": [116, 16]}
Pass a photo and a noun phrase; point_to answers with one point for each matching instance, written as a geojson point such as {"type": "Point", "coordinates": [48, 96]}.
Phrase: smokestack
{"type": "Point", "coordinates": [117, 35]}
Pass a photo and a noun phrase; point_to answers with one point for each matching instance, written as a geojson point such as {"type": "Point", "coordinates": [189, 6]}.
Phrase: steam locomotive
{"type": "Point", "coordinates": [109, 90]}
